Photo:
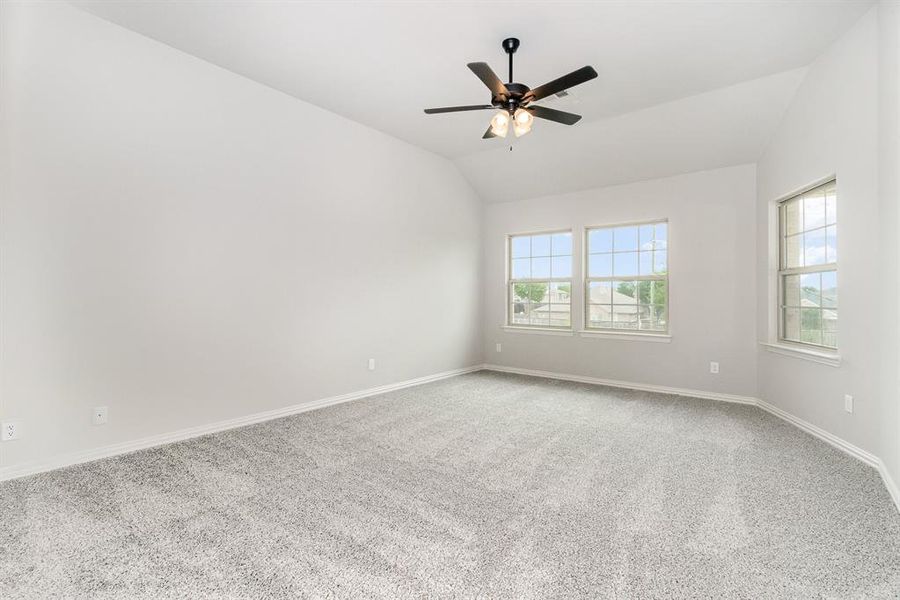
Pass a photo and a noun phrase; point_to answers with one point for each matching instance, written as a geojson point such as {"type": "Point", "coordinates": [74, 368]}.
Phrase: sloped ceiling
{"type": "Point", "coordinates": [682, 86]}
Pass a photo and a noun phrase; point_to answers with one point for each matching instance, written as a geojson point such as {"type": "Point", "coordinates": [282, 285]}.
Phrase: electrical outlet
{"type": "Point", "coordinates": [9, 430]}
{"type": "Point", "coordinates": [499, 347]}
{"type": "Point", "coordinates": [371, 364]}
{"type": "Point", "coordinates": [714, 367]}
{"type": "Point", "coordinates": [100, 415]}
{"type": "Point", "coordinates": [848, 403]}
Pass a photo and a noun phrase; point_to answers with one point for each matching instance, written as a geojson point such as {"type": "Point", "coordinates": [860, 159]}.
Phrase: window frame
{"type": "Point", "coordinates": [782, 271]}
{"type": "Point", "coordinates": [587, 280]}
{"type": "Point", "coordinates": [510, 281]}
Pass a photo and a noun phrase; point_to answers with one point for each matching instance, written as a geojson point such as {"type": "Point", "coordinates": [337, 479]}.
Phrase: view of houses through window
{"type": "Point", "coordinates": [626, 287]}
{"type": "Point", "coordinates": [808, 303]}
{"type": "Point", "coordinates": [540, 280]}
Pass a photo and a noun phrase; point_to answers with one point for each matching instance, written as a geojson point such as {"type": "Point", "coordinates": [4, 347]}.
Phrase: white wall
{"type": "Point", "coordinates": [889, 217]}
{"type": "Point", "coordinates": [711, 264]}
{"type": "Point", "coordinates": [830, 128]}
{"type": "Point", "coordinates": [186, 246]}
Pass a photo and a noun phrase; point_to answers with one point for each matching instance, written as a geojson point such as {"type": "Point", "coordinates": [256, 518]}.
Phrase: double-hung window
{"type": "Point", "coordinates": [539, 288]}
{"type": "Point", "coordinates": [807, 275]}
{"type": "Point", "coordinates": [627, 281]}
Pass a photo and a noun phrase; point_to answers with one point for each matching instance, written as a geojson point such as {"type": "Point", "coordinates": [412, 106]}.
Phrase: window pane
{"type": "Point", "coordinates": [829, 289]}
{"type": "Point", "coordinates": [660, 316]}
{"type": "Point", "coordinates": [540, 316]}
{"type": "Point", "coordinates": [600, 240]}
{"type": "Point", "coordinates": [647, 237]}
{"type": "Point", "coordinates": [625, 317]}
{"type": "Point", "coordinates": [660, 262]}
{"type": "Point", "coordinates": [791, 289]}
{"type": "Point", "coordinates": [519, 293]}
{"type": "Point", "coordinates": [829, 328]}
{"type": "Point", "coordinates": [560, 309]}
{"type": "Point", "coordinates": [561, 266]}
{"type": "Point", "coordinates": [540, 245]}
{"type": "Point", "coordinates": [814, 209]}
{"type": "Point", "coordinates": [646, 263]}
{"type": "Point", "coordinates": [662, 234]}
{"type": "Point", "coordinates": [810, 290]}
{"type": "Point", "coordinates": [600, 265]}
{"type": "Point", "coordinates": [625, 263]}
{"type": "Point", "coordinates": [625, 238]}
{"type": "Point", "coordinates": [651, 318]}
{"type": "Point", "coordinates": [560, 293]}
{"type": "Point", "coordinates": [792, 324]}
{"type": "Point", "coordinates": [793, 217]}
{"type": "Point", "coordinates": [814, 248]}
{"type": "Point", "coordinates": [533, 292]}
{"type": "Point", "coordinates": [658, 293]}
{"type": "Point", "coordinates": [811, 325]}
{"type": "Point", "coordinates": [518, 314]}
{"type": "Point", "coordinates": [561, 244]}
{"type": "Point", "coordinates": [521, 246]}
{"type": "Point", "coordinates": [540, 268]}
{"type": "Point", "coordinates": [600, 315]}
{"type": "Point", "coordinates": [644, 291]}
{"type": "Point", "coordinates": [521, 268]}
{"type": "Point", "coordinates": [626, 292]}
{"type": "Point", "coordinates": [831, 244]}
{"type": "Point", "coordinates": [600, 292]}
{"type": "Point", "coordinates": [793, 251]}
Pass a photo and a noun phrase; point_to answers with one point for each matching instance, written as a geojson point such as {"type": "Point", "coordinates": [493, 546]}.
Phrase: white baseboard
{"type": "Point", "coordinates": [839, 443]}
{"type": "Point", "coordinates": [629, 385]}
{"type": "Point", "coordinates": [74, 458]}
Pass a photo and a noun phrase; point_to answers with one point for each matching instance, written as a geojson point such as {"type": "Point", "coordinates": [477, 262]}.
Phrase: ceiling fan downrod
{"type": "Point", "coordinates": [510, 45]}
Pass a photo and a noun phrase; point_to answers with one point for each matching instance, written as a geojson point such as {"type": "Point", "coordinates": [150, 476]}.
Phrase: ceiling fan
{"type": "Point", "coordinates": [514, 100]}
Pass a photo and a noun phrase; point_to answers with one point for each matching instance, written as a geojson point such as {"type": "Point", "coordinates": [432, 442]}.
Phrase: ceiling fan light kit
{"type": "Point", "coordinates": [514, 101]}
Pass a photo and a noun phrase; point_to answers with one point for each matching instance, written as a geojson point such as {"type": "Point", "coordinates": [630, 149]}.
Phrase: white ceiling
{"type": "Point", "coordinates": [381, 63]}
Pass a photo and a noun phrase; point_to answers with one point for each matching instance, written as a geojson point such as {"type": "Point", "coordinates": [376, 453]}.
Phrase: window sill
{"type": "Point", "coordinates": [824, 358]}
{"type": "Point", "coordinates": [659, 338]}
{"type": "Point", "coordinates": [537, 330]}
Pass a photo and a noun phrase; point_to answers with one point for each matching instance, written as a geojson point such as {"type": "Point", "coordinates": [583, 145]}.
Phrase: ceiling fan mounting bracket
{"type": "Point", "coordinates": [510, 45]}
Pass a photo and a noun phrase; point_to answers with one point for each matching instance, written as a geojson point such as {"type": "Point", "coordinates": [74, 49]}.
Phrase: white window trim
{"type": "Point", "coordinates": [609, 332]}
{"type": "Point", "coordinates": [539, 329]}
{"type": "Point", "coordinates": [630, 336]}
{"type": "Point", "coordinates": [784, 349]}
{"type": "Point", "coordinates": [779, 344]}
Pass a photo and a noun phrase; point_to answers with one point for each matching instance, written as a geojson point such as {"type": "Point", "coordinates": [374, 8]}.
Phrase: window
{"type": "Point", "coordinates": [627, 282]}
{"type": "Point", "coordinates": [540, 280]}
{"type": "Point", "coordinates": [807, 225]}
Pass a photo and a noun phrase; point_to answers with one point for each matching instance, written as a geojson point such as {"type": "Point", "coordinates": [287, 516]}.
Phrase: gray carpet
{"type": "Point", "coordinates": [484, 485]}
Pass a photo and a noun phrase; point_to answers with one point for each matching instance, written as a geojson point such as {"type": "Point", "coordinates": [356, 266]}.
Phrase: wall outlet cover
{"type": "Point", "coordinates": [10, 430]}
{"type": "Point", "coordinates": [371, 364]}
{"type": "Point", "coordinates": [499, 347]}
{"type": "Point", "coordinates": [848, 403]}
{"type": "Point", "coordinates": [713, 367]}
{"type": "Point", "coordinates": [100, 415]}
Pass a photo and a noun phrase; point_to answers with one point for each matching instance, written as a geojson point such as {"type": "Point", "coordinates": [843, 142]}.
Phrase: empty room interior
{"type": "Point", "coordinates": [307, 299]}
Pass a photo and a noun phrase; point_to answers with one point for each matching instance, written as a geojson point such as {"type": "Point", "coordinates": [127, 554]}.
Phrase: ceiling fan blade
{"type": "Point", "coordinates": [446, 109]}
{"type": "Point", "coordinates": [551, 114]}
{"type": "Point", "coordinates": [563, 83]}
{"type": "Point", "coordinates": [488, 134]}
{"type": "Point", "coordinates": [490, 79]}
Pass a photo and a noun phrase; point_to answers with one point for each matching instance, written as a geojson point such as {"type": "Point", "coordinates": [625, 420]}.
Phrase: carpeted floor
{"type": "Point", "coordinates": [485, 485]}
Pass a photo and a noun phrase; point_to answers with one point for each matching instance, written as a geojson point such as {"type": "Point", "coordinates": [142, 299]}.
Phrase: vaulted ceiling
{"type": "Point", "coordinates": [682, 86]}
